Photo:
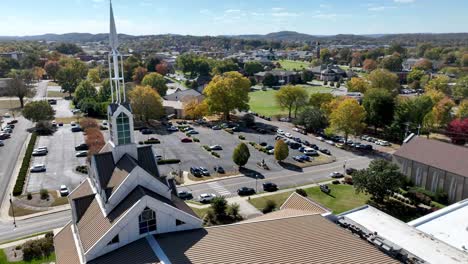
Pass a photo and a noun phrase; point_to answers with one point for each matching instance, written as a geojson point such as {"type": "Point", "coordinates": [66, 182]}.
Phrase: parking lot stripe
{"type": "Point", "coordinates": [219, 189]}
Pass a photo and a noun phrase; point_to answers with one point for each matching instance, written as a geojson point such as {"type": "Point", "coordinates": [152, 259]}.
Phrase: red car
{"type": "Point", "coordinates": [186, 140]}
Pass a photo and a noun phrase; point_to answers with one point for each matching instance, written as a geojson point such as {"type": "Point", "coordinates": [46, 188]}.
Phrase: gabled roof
{"type": "Point", "coordinates": [105, 167]}
{"type": "Point", "coordinates": [436, 154]}
{"type": "Point", "coordinates": [147, 161]}
{"type": "Point", "coordinates": [293, 240]}
{"type": "Point", "coordinates": [138, 252]}
{"type": "Point", "coordinates": [84, 189]}
{"type": "Point", "coordinates": [113, 107]}
{"type": "Point", "coordinates": [93, 224]}
{"type": "Point", "coordinates": [65, 247]}
{"type": "Point", "coordinates": [301, 203]}
{"type": "Point", "coordinates": [182, 95]}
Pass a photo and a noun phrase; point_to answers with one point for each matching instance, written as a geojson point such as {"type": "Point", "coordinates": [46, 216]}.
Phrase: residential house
{"type": "Point", "coordinates": [435, 165]}
{"type": "Point", "coordinates": [15, 55]}
{"type": "Point", "coordinates": [330, 73]}
{"type": "Point", "coordinates": [282, 76]}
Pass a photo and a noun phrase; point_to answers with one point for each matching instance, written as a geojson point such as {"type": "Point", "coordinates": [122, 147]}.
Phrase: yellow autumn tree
{"type": "Point", "coordinates": [347, 118]}
{"type": "Point", "coordinates": [146, 103]}
{"type": "Point", "coordinates": [357, 85]}
{"type": "Point", "coordinates": [194, 109]}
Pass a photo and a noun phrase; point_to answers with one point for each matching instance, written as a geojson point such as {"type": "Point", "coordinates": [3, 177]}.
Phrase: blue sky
{"type": "Point", "coordinates": [229, 17]}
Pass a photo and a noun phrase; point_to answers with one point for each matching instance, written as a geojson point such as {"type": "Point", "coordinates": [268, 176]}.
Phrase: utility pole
{"type": "Point", "coordinates": [12, 210]}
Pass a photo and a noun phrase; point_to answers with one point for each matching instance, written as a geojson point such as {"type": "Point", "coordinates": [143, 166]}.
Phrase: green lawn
{"type": "Point", "coordinates": [3, 259]}
{"type": "Point", "coordinates": [341, 199]}
{"type": "Point", "coordinates": [264, 103]}
{"type": "Point", "coordinates": [291, 65]}
{"type": "Point", "coordinates": [200, 211]}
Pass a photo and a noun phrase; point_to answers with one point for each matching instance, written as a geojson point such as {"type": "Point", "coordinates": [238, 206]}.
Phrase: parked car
{"type": "Point", "coordinates": [4, 136]}
{"type": "Point", "coordinates": [219, 169]}
{"type": "Point", "coordinates": [172, 129]}
{"type": "Point", "coordinates": [192, 132]}
{"type": "Point", "coordinates": [11, 122]}
{"type": "Point", "coordinates": [336, 174]}
{"type": "Point", "coordinates": [1, 143]}
{"type": "Point", "coordinates": [294, 145]}
{"type": "Point", "coordinates": [320, 138]}
{"type": "Point", "coordinates": [325, 151]}
{"type": "Point", "coordinates": [245, 191]}
{"type": "Point", "coordinates": [204, 171]}
{"type": "Point", "coordinates": [185, 195]}
{"type": "Point", "coordinates": [76, 129]}
{"type": "Point", "coordinates": [81, 154]}
{"type": "Point", "coordinates": [64, 190]}
{"type": "Point", "coordinates": [298, 158]}
{"type": "Point", "coordinates": [236, 129]}
{"type": "Point", "coordinates": [270, 147]}
{"type": "Point", "coordinates": [383, 143]}
{"type": "Point", "coordinates": [310, 152]}
{"type": "Point", "coordinates": [206, 197]}
{"type": "Point", "coordinates": [216, 147]}
{"type": "Point", "coordinates": [72, 123]}
{"type": "Point", "coordinates": [339, 145]}
{"type": "Point", "coordinates": [216, 128]}
{"type": "Point", "coordinates": [82, 146]}
{"type": "Point", "coordinates": [6, 115]}
{"type": "Point", "coordinates": [158, 157]}
{"type": "Point", "coordinates": [280, 132]}
{"type": "Point", "coordinates": [288, 135]}
{"type": "Point", "coordinates": [196, 172]}
{"type": "Point", "coordinates": [39, 152]}
{"type": "Point", "coordinates": [271, 151]}
{"type": "Point", "coordinates": [350, 171]}
{"type": "Point", "coordinates": [270, 187]}
{"type": "Point", "coordinates": [8, 130]}
{"type": "Point", "coordinates": [186, 140]}
{"type": "Point", "coordinates": [38, 168]}
{"type": "Point", "coordinates": [147, 131]}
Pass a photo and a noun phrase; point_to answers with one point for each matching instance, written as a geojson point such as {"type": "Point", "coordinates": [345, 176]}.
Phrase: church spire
{"type": "Point", "coordinates": [113, 40]}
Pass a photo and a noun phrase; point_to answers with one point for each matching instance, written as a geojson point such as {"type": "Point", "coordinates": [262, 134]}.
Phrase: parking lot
{"type": "Point", "coordinates": [60, 161]}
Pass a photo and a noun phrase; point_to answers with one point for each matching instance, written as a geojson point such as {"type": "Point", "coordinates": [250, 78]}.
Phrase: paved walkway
{"type": "Point", "coordinates": [22, 241]}
{"type": "Point", "coordinates": [246, 209]}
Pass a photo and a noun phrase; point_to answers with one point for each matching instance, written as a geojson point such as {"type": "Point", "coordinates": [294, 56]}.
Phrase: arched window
{"type": "Point", "coordinates": [123, 129]}
{"type": "Point", "coordinates": [147, 221]}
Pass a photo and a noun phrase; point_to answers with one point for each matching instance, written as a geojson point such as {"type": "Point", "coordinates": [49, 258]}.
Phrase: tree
{"type": "Point", "coordinates": [94, 75]}
{"type": "Point", "coordinates": [457, 130]}
{"type": "Point", "coordinates": [227, 92]}
{"type": "Point", "coordinates": [146, 103]}
{"type": "Point", "coordinates": [241, 155]}
{"type": "Point", "coordinates": [70, 74]}
{"type": "Point", "coordinates": [138, 74]}
{"type": "Point", "coordinates": [410, 113]}
{"type": "Point", "coordinates": [249, 120]}
{"type": "Point", "coordinates": [20, 84]}
{"type": "Point", "coordinates": [441, 112]}
{"type": "Point", "coordinates": [269, 80]}
{"type": "Point", "coordinates": [223, 66]}
{"type": "Point", "coordinates": [162, 68]}
{"type": "Point", "coordinates": [95, 140]}
{"type": "Point", "coordinates": [325, 55]}
{"type": "Point", "coordinates": [424, 64]}
{"type": "Point", "coordinates": [68, 48]}
{"type": "Point", "coordinates": [156, 81]}
{"type": "Point", "coordinates": [129, 65]}
{"type": "Point", "coordinates": [6, 65]}
{"type": "Point", "coordinates": [252, 67]}
{"type": "Point", "coordinates": [307, 76]}
{"type": "Point", "coordinates": [379, 105]}
{"type": "Point", "coordinates": [440, 83]}
{"type": "Point", "coordinates": [104, 93]}
{"type": "Point", "coordinates": [52, 68]}
{"type": "Point", "coordinates": [392, 63]}
{"type": "Point", "coordinates": [84, 90]}
{"type": "Point", "coordinates": [384, 79]}
{"type": "Point", "coordinates": [369, 65]}
{"type": "Point", "coordinates": [312, 118]}
{"type": "Point", "coordinates": [194, 109]}
{"type": "Point", "coordinates": [415, 75]}
{"type": "Point", "coordinates": [317, 100]}
{"type": "Point", "coordinates": [464, 60]}
{"type": "Point", "coordinates": [357, 85]}
{"type": "Point", "coordinates": [291, 98]}
{"type": "Point", "coordinates": [463, 109]}
{"type": "Point", "coordinates": [38, 111]}
{"type": "Point", "coordinates": [460, 91]}
{"type": "Point", "coordinates": [281, 150]}
{"type": "Point", "coordinates": [37, 73]}
{"type": "Point", "coordinates": [348, 118]}
{"type": "Point", "coordinates": [381, 179]}
{"type": "Point", "coordinates": [151, 63]}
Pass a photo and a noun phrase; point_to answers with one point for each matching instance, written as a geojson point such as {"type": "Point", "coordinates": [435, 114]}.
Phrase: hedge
{"type": "Point", "coordinates": [241, 137]}
{"type": "Point", "coordinates": [168, 161]}
{"type": "Point", "coordinates": [215, 154]}
{"type": "Point", "coordinates": [18, 190]}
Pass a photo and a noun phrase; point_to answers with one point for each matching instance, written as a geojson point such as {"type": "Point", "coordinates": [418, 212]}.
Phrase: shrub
{"type": "Point", "coordinates": [168, 161]}
{"type": "Point", "coordinates": [82, 169]}
{"type": "Point", "coordinates": [196, 140]}
{"type": "Point", "coordinates": [229, 130]}
{"type": "Point", "coordinates": [252, 144]}
{"type": "Point", "coordinates": [241, 137]}
{"type": "Point", "coordinates": [152, 141]}
{"type": "Point", "coordinates": [207, 148]}
{"type": "Point", "coordinates": [336, 182]}
{"type": "Point", "coordinates": [29, 196]}
{"type": "Point", "coordinates": [301, 192]}
{"type": "Point", "coordinates": [338, 85]}
{"type": "Point", "coordinates": [18, 189]}
{"type": "Point", "coordinates": [215, 154]}
{"type": "Point", "coordinates": [18, 247]}
{"type": "Point", "coordinates": [269, 206]}
{"type": "Point", "coordinates": [348, 180]}
{"type": "Point", "coordinates": [44, 194]}
{"type": "Point", "coordinates": [36, 249]}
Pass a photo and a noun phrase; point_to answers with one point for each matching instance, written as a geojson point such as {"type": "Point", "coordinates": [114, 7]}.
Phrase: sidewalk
{"type": "Point", "coordinates": [22, 241]}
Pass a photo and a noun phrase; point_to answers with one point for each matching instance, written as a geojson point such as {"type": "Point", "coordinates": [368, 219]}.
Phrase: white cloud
{"type": "Point", "coordinates": [232, 11]}
{"type": "Point", "coordinates": [380, 8]}
{"type": "Point", "coordinates": [285, 14]}
{"type": "Point", "coordinates": [404, 1]}
{"type": "Point", "coordinates": [276, 9]}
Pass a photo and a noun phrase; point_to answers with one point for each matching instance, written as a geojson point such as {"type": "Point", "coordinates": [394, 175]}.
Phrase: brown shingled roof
{"type": "Point", "coordinates": [283, 213]}
{"type": "Point", "coordinates": [436, 154]}
{"type": "Point", "coordinates": [299, 202]}
{"type": "Point", "coordinates": [84, 189]}
{"type": "Point", "coordinates": [65, 249]}
{"type": "Point", "coordinates": [138, 252]}
{"type": "Point", "coordinates": [294, 240]}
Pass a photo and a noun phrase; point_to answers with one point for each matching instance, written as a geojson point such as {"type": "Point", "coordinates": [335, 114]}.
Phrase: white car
{"type": "Point", "coordinates": [320, 138]}
{"type": "Point", "coordinates": [104, 122]}
{"type": "Point", "coordinates": [73, 123]}
{"type": "Point", "coordinates": [288, 135]}
{"type": "Point", "coordinates": [330, 142]}
{"type": "Point", "coordinates": [383, 143]}
{"type": "Point", "coordinates": [38, 168]}
{"type": "Point", "coordinates": [64, 190]}
{"type": "Point", "coordinates": [6, 115]}
{"type": "Point", "coordinates": [42, 149]}
{"type": "Point", "coordinates": [310, 152]}
{"type": "Point", "coordinates": [296, 129]}
{"type": "Point", "coordinates": [216, 147]}
{"type": "Point", "coordinates": [280, 132]}
{"type": "Point", "coordinates": [206, 197]}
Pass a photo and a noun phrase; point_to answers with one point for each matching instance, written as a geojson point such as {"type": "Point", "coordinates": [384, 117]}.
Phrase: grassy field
{"type": "Point", "coordinates": [56, 94]}
{"type": "Point", "coordinates": [291, 65]}
{"type": "Point", "coordinates": [341, 199]}
{"type": "Point", "coordinates": [264, 103]}
{"type": "Point", "coordinates": [9, 104]}
{"type": "Point", "coordinates": [200, 211]}
{"type": "Point", "coordinates": [3, 259]}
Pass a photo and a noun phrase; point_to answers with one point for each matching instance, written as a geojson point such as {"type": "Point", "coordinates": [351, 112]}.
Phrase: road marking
{"type": "Point", "coordinates": [219, 189]}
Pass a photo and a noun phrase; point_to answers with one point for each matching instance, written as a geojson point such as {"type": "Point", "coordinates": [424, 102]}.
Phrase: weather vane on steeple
{"type": "Point", "coordinates": [116, 76]}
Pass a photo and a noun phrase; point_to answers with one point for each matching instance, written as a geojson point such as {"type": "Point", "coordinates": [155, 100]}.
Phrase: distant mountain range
{"type": "Point", "coordinates": [283, 36]}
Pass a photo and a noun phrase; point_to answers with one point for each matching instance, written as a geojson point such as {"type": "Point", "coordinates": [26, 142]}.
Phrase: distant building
{"type": "Point", "coordinates": [282, 76]}
{"type": "Point", "coordinates": [435, 165]}
{"type": "Point", "coordinates": [12, 55]}
{"type": "Point", "coordinates": [174, 103]}
{"type": "Point", "coordinates": [329, 73]}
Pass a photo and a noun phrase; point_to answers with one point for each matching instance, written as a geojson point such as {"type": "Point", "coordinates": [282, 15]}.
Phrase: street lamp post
{"type": "Point", "coordinates": [256, 181]}
{"type": "Point", "coordinates": [12, 210]}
